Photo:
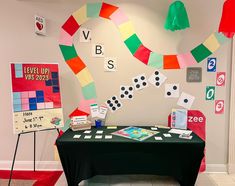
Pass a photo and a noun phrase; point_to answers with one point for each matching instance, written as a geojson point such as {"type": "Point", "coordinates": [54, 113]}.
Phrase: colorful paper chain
{"type": "Point", "coordinates": [131, 40]}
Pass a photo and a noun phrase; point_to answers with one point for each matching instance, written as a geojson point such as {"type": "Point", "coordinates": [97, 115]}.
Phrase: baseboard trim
{"type": "Point", "coordinates": [231, 168]}
{"type": "Point", "coordinates": [56, 165]}
{"type": "Point", "coordinates": [216, 168]}
{"type": "Point", "coordinates": [28, 165]}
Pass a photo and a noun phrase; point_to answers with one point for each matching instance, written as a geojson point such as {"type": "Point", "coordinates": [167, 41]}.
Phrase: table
{"type": "Point", "coordinates": [84, 158]}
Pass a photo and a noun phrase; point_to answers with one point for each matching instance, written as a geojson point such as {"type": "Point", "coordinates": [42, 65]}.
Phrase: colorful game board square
{"type": "Point", "coordinates": [212, 43]}
{"type": "Point", "coordinates": [40, 105]}
{"type": "Point", "coordinates": [32, 100]}
{"type": "Point", "coordinates": [39, 93]}
{"type": "Point", "coordinates": [40, 99]}
{"type": "Point", "coordinates": [170, 62]}
{"type": "Point", "coordinates": [93, 9]}
{"type": "Point", "coordinates": [133, 43]}
{"type": "Point", "coordinates": [16, 95]}
{"type": "Point", "coordinates": [54, 75]}
{"type": "Point", "coordinates": [49, 105]}
{"type": "Point", "coordinates": [84, 77]}
{"type": "Point", "coordinates": [126, 30]}
{"type": "Point", "coordinates": [25, 101]}
{"type": "Point", "coordinates": [24, 94]}
{"type": "Point", "coordinates": [25, 107]}
{"type": "Point", "coordinates": [143, 54]}
{"type": "Point", "coordinates": [76, 64]}
{"type": "Point", "coordinates": [56, 89]}
{"type": "Point", "coordinates": [17, 108]}
{"type": "Point", "coordinates": [49, 82]}
{"type": "Point", "coordinates": [18, 67]}
{"type": "Point", "coordinates": [200, 53]}
{"type": "Point", "coordinates": [89, 91]}
{"type": "Point", "coordinates": [33, 106]}
{"type": "Point", "coordinates": [118, 17]}
{"type": "Point", "coordinates": [186, 60]}
{"type": "Point", "coordinates": [32, 94]}
{"type": "Point", "coordinates": [81, 15]}
{"type": "Point", "coordinates": [71, 26]}
{"type": "Point", "coordinates": [18, 74]}
{"type": "Point", "coordinates": [221, 38]}
{"type": "Point", "coordinates": [155, 60]}
{"type": "Point", "coordinates": [68, 52]}
{"type": "Point", "coordinates": [17, 101]}
{"type": "Point", "coordinates": [55, 82]}
{"type": "Point", "coordinates": [107, 10]}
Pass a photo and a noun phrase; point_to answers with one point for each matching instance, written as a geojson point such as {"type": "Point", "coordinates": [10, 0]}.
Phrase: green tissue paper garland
{"type": "Point", "coordinates": [177, 18]}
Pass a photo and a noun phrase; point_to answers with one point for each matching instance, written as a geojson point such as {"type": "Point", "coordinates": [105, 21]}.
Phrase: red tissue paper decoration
{"type": "Point", "coordinates": [227, 22]}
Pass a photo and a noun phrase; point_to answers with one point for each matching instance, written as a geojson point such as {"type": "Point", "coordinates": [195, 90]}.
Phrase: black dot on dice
{"type": "Point", "coordinates": [118, 104]}
{"type": "Point", "coordinates": [122, 88]}
{"type": "Point", "coordinates": [186, 100]}
{"type": "Point", "coordinates": [142, 78]}
{"type": "Point", "coordinates": [174, 87]}
{"type": "Point", "coordinates": [113, 98]}
{"type": "Point", "coordinates": [108, 101]}
{"type": "Point", "coordinates": [130, 88]}
{"type": "Point", "coordinates": [168, 93]}
{"type": "Point", "coordinates": [156, 73]}
{"type": "Point", "coordinates": [126, 92]}
{"type": "Point", "coordinates": [157, 78]}
{"type": "Point", "coordinates": [135, 80]}
{"type": "Point", "coordinates": [144, 83]}
{"type": "Point", "coordinates": [113, 108]}
{"type": "Point", "coordinates": [130, 96]}
{"type": "Point", "coordinates": [157, 83]}
{"type": "Point", "coordinates": [110, 104]}
{"type": "Point", "coordinates": [117, 100]}
{"type": "Point", "coordinates": [122, 95]}
{"type": "Point", "coordinates": [137, 86]}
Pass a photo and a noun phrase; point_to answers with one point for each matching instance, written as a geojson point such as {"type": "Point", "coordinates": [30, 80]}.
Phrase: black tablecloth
{"type": "Point", "coordinates": [84, 158]}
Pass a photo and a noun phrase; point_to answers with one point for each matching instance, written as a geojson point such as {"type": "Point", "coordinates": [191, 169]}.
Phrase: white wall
{"type": "Point", "coordinates": [18, 43]}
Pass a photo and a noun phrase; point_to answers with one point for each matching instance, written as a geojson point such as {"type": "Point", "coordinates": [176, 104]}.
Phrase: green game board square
{"type": "Point", "coordinates": [133, 43]}
{"type": "Point", "coordinates": [68, 52]}
{"type": "Point", "coordinates": [89, 91]}
{"type": "Point", "coordinates": [200, 53]}
{"type": "Point", "coordinates": [93, 9]}
{"type": "Point", "coordinates": [221, 38]}
{"type": "Point", "coordinates": [155, 60]}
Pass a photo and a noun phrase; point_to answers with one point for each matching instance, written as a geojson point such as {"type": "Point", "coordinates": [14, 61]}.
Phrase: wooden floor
{"type": "Point", "coordinates": [206, 179]}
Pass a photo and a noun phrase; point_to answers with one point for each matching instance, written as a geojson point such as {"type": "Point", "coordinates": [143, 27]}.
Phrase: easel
{"type": "Point", "coordinates": [34, 149]}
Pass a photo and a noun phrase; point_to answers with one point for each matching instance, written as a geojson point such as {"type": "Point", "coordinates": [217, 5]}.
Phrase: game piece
{"type": "Point", "coordinates": [126, 92]}
{"type": "Point", "coordinates": [76, 136]}
{"type": "Point", "coordinates": [140, 82]}
{"type": "Point", "coordinates": [185, 100]}
{"type": "Point", "coordinates": [157, 79]}
{"type": "Point", "coordinates": [108, 136]}
{"type": "Point", "coordinates": [172, 90]}
{"type": "Point", "coordinates": [113, 103]}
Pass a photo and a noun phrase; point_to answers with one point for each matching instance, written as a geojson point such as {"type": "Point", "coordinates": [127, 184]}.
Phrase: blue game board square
{"type": "Point", "coordinates": [40, 99]}
{"type": "Point", "coordinates": [17, 101]}
{"type": "Point", "coordinates": [18, 67]}
{"type": "Point", "coordinates": [48, 82]}
{"type": "Point", "coordinates": [55, 81]}
{"type": "Point", "coordinates": [32, 100]}
{"type": "Point", "coordinates": [16, 95]}
{"type": "Point", "coordinates": [18, 74]}
{"type": "Point", "coordinates": [17, 108]}
{"type": "Point", "coordinates": [54, 75]}
{"type": "Point", "coordinates": [39, 93]}
{"type": "Point", "coordinates": [33, 106]}
{"type": "Point", "coordinates": [56, 89]}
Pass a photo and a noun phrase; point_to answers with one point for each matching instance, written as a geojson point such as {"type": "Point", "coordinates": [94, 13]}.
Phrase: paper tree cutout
{"type": "Point", "coordinates": [177, 18]}
{"type": "Point", "coordinates": [227, 22]}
